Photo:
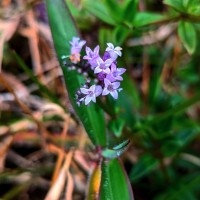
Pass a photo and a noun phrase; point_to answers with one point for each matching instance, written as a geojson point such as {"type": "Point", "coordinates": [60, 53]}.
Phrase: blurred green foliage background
{"type": "Point", "coordinates": [158, 109]}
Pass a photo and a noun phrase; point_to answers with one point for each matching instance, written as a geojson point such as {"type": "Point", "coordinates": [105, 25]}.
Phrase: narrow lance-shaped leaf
{"type": "Point", "coordinates": [187, 34]}
{"type": "Point", "coordinates": [94, 183]}
{"type": "Point", "coordinates": [98, 9]}
{"type": "Point", "coordinates": [177, 5]}
{"type": "Point", "coordinates": [130, 10]}
{"type": "Point", "coordinates": [144, 166]}
{"type": "Point", "coordinates": [116, 151]}
{"type": "Point", "coordinates": [114, 184]}
{"type": "Point", "coordinates": [114, 10]}
{"type": "Point", "coordinates": [63, 29]}
{"type": "Point", "coordinates": [146, 18]}
{"type": "Point", "coordinates": [181, 107]}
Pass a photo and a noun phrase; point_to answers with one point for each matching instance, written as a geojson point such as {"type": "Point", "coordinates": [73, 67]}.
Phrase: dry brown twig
{"type": "Point", "coordinates": [4, 147]}
{"type": "Point", "coordinates": [69, 187]}
{"type": "Point", "coordinates": [57, 188]}
{"type": "Point", "coordinates": [25, 108]}
{"type": "Point", "coordinates": [31, 32]}
{"type": "Point", "coordinates": [7, 30]}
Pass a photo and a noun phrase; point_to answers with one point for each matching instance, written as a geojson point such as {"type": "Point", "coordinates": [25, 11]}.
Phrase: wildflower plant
{"type": "Point", "coordinates": [89, 77]}
{"type": "Point", "coordinates": [150, 112]}
{"type": "Point", "coordinates": [102, 74]}
{"type": "Point", "coordinates": [150, 115]}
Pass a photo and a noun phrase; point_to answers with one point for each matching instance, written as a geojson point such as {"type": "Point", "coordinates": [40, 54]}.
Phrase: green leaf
{"type": "Point", "coordinates": [114, 183]}
{"type": "Point", "coordinates": [122, 145]}
{"type": "Point", "coordinates": [63, 29]}
{"type": "Point", "coordinates": [130, 10]}
{"type": "Point", "coordinates": [194, 10]}
{"type": "Point", "coordinates": [116, 126]}
{"type": "Point", "coordinates": [128, 101]}
{"type": "Point", "coordinates": [120, 34]}
{"type": "Point", "coordinates": [178, 141]}
{"type": "Point", "coordinates": [185, 6]}
{"type": "Point", "coordinates": [187, 34]}
{"type": "Point", "coordinates": [186, 3]}
{"type": "Point", "coordinates": [186, 188]}
{"type": "Point", "coordinates": [116, 36]}
{"type": "Point", "coordinates": [110, 154]}
{"type": "Point", "coordinates": [115, 10]}
{"type": "Point", "coordinates": [130, 90]}
{"type": "Point", "coordinates": [145, 18]}
{"type": "Point", "coordinates": [98, 9]}
{"type": "Point", "coordinates": [144, 166]}
{"type": "Point", "coordinates": [155, 81]}
{"type": "Point", "coordinates": [116, 151]}
{"type": "Point", "coordinates": [94, 183]}
{"type": "Point", "coordinates": [105, 35]}
{"type": "Point", "coordinates": [180, 107]}
{"type": "Point", "coordinates": [194, 7]}
{"type": "Point", "coordinates": [73, 9]}
{"type": "Point", "coordinates": [179, 5]}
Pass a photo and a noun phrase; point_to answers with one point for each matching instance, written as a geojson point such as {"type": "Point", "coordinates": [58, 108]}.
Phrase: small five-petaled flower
{"type": "Point", "coordinates": [105, 70]}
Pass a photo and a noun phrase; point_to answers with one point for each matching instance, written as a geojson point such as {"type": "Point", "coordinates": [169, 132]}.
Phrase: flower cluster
{"type": "Point", "coordinates": [103, 70]}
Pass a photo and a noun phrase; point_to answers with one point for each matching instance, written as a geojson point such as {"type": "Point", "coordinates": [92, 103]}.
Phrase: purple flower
{"type": "Point", "coordinates": [76, 45]}
{"type": "Point", "coordinates": [111, 88]}
{"type": "Point", "coordinates": [106, 56]}
{"type": "Point", "coordinates": [115, 73]}
{"type": "Point", "coordinates": [114, 51]}
{"type": "Point", "coordinates": [92, 56]}
{"type": "Point", "coordinates": [103, 66]}
{"type": "Point", "coordinates": [101, 76]}
{"type": "Point", "coordinates": [91, 93]}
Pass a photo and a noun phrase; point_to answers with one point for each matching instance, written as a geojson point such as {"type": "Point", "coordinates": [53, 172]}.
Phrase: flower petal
{"type": "Point", "coordinates": [97, 70]}
{"type": "Point", "coordinates": [106, 82]}
{"type": "Point", "coordinates": [107, 70]}
{"type": "Point", "coordinates": [110, 45]}
{"type": "Point", "coordinates": [113, 55]}
{"type": "Point", "coordinates": [121, 70]}
{"type": "Point", "coordinates": [87, 50]}
{"type": "Point", "coordinates": [86, 58]}
{"type": "Point", "coordinates": [119, 78]}
{"type": "Point", "coordinates": [96, 50]}
{"type": "Point", "coordinates": [84, 90]}
{"type": "Point", "coordinates": [92, 88]}
{"type": "Point", "coordinates": [113, 67]}
{"type": "Point", "coordinates": [81, 43]}
{"type": "Point", "coordinates": [94, 99]}
{"type": "Point", "coordinates": [105, 92]}
{"type": "Point", "coordinates": [100, 61]}
{"type": "Point", "coordinates": [87, 100]}
{"type": "Point", "coordinates": [119, 53]}
{"type": "Point", "coordinates": [108, 62]}
{"type": "Point", "coordinates": [108, 49]}
{"type": "Point", "coordinates": [115, 85]}
{"type": "Point", "coordinates": [114, 94]}
{"type": "Point", "coordinates": [118, 48]}
{"type": "Point", "coordinates": [110, 78]}
{"type": "Point", "coordinates": [98, 90]}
